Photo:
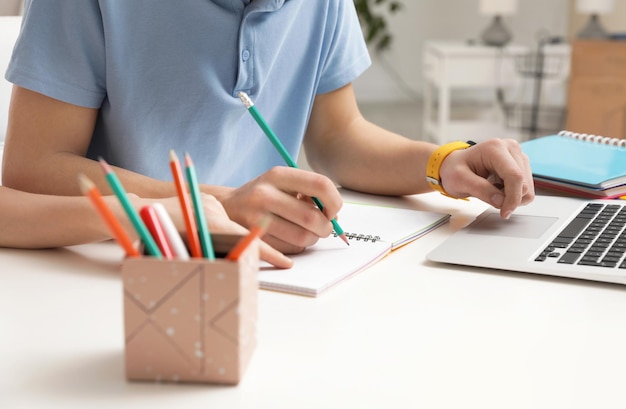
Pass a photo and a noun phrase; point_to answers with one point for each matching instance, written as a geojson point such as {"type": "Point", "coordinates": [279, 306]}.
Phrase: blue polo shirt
{"type": "Point", "coordinates": [165, 75]}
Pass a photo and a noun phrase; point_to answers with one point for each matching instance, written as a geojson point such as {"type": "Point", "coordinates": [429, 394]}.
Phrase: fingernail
{"type": "Point", "coordinates": [507, 215]}
{"type": "Point", "coordinates": [497, 199]}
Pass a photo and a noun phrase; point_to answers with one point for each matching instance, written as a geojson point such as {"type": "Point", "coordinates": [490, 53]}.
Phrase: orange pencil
{"type": "Point", "coordinates": [185, 204]}
{"type": "Point", "coordinates": [255, 232]}
{"type": "Point", "coordinates": [117, 230]}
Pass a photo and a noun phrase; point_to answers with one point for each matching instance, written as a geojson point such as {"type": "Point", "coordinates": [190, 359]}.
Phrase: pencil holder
{"type": "Point", "coordinates": [191, 321]}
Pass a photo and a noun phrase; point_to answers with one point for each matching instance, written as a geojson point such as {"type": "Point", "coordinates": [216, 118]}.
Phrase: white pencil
{"type": "Point", "coordinates": [178, 246]}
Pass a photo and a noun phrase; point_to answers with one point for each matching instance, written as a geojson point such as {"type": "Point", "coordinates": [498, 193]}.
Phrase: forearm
{"type": "Point", "coordinates": [57, 174]}
{"type": "Point", "coordinates": [40, 221]}
{"type": "Point", "coordinates": [46, 144]}
{"type": "Point", "coordinates": [367, 158]}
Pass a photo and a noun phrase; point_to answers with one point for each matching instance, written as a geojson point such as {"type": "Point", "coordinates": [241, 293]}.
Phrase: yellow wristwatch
{"type": "Point", "coordinates": [434, 164]}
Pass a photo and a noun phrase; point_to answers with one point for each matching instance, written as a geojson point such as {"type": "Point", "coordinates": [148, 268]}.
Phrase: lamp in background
{"type": "Point", "coordinates": [497, 34]}
{"type": "Point", "coordinates": [593, 29]}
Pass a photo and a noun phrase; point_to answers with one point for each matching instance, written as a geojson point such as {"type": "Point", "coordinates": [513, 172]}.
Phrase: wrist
{"type": "Point", "coordinates": [436, 159]}
{"type": "Point", "coordinates": [221, 193]}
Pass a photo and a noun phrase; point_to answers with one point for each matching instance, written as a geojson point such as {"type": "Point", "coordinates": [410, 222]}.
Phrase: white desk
{"type": "Point", "coordinates": [453, 66]}
{"type": "Point", "coordinates": [404, 333]}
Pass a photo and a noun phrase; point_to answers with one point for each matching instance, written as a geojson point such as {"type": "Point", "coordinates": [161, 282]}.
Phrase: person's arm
{"type": "Point", "coordinates": [31, 221]}
{"type": "Point", "coordinates": [285, 193]}
{"type": "Point", "coordinates": [47, 141]}
{"type": "Point", "coordinates": [46, 146]}
{"type": "Point", "coordinates": [45, 149]}
{"type": "Point", "coordinates": [362, 156]}
{"type": "Point", "coordinates": [359, 155]}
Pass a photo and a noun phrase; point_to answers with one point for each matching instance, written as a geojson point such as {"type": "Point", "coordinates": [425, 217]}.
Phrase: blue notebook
{"type": "Point", "coordinates": [590, 165]}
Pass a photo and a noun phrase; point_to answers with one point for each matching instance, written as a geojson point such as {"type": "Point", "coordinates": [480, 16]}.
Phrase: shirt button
{"type": "Point", "coordinates": [245, 55]}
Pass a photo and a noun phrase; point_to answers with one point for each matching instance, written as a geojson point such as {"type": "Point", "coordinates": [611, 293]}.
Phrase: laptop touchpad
{"type": "Point", "coordinates": [529, 227]}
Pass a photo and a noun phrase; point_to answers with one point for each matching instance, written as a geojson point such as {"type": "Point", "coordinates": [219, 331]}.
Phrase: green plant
{"type": "Point", "coordinates": [372, 15]}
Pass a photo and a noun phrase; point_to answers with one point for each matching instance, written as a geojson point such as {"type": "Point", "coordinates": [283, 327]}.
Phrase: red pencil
{"type": "Point", "coordinates": [255, 232]}
{"type": "Point", "coordinates": [117, 230]}
{"type": "Point", "coordinates": [185, 204]}
{"type": "Point", "coordinates": [150, 218]}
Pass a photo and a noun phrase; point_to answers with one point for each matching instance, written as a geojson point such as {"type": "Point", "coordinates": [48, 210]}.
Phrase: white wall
{"type": "Point", "coordinates": [422, 20]}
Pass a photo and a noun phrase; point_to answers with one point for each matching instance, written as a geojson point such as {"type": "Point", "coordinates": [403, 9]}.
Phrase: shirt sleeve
{"type": "Point", "coordinates": [60, 52]}
{"type": "Point", "coordinates": [347, 55]}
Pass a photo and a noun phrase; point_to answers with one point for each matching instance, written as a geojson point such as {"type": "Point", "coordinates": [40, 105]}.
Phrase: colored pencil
{"type": "Point", "coordinates": [255, 232]}
{"type": "Point", "coordinates": [185, 204]}
{"type": "Point", "coordinates": [132, 214]}
{"type": "Point", "coordinates": [247, 102]}
{"type": "Point", "coordinates": [196, 198]}
{"type": "Point", "coordinates": [173, 238]}
{"type": "Point", "coordinates": [115, 226]}
{"type": "Point", "coordinates": [150, 218]}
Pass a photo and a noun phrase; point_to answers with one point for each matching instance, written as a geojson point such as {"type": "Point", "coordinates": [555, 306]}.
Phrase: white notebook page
{"type": "Point", "coordinates": [373, 231]}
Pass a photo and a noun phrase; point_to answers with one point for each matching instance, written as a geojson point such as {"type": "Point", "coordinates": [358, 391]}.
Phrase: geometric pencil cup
{"type": "Point", "coordinates": [191, 321]}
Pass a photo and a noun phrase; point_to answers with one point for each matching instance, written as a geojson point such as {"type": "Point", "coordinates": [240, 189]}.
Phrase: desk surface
{"type": "Point", "coordinates": [404, 333]}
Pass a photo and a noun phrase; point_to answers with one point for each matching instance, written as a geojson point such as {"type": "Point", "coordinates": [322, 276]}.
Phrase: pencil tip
{"type": "Point", "coordinates": [105, 165]}
{"type": "Point", "coordinates": [188, 160]}
{"type": "Point", "coordinates": [265, 221]}
{"type": "Point", "coordinates": [84, 183]}
{"type": "Point", "coordinates": [345, 239]}
{"type": "Point", "coordinates": [173, 156]}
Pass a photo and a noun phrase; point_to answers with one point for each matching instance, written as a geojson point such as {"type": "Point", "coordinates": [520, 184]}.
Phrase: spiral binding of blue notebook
{"type": "Point", "coordinates": [581, 164]}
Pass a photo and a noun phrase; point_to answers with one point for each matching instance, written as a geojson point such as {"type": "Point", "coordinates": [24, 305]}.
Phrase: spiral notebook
{"type": "Point", "coordinates": [580, 164]}
{"type": "Point", "coordinates": [373, 232]}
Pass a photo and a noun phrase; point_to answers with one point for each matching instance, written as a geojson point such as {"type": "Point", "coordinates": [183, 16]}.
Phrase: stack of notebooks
{"type": "Point", "coordinates": [579, 164]}
{"type": "Point", "coordinates": [373, 232]}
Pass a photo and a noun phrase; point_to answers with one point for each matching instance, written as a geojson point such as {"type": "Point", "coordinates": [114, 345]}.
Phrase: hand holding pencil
{"type": "Point", "coordinates": [284, 153]}
{"type": "Point", "coordinates": [284, 192]}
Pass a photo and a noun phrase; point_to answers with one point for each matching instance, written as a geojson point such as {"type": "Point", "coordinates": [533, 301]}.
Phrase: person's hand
{"type": "Point", "coordinates": [495, 171]}
{"type": "Point", "coordinates": [286, 194]}
{"type": "Point", "coordinates": [219, 222]}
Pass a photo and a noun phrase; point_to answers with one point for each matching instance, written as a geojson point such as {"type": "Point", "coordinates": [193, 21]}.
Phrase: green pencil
{"type": "Point", "coordinates": [203, 228]}
{"type": "Point", "coordinates": [132, 214]}
{"type": "Point", "coordinates": [247, 102]}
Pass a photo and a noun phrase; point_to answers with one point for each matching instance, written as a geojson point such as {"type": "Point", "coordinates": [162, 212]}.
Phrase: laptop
{"type": "Point", "coordinates": [556, 236]}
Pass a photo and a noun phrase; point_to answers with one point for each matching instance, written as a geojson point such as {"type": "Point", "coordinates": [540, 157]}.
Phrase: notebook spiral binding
{"type": "Point", "coordinates": [360, 237]}
{"type": "Point", "coordinates": [605, 140]}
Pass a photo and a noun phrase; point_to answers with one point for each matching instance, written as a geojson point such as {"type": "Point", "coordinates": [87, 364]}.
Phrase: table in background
{"type": "Point", "coordinates": [404, 333]}
{"type": "Point", "coordinates": [472, 68]}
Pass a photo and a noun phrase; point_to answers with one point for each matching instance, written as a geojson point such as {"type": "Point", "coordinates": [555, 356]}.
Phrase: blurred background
{"type": "Point", "coordinates": [440, 80]}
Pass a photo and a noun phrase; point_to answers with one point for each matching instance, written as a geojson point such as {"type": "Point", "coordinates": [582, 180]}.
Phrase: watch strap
{"type": "Point", "coordinates": [436, 159]}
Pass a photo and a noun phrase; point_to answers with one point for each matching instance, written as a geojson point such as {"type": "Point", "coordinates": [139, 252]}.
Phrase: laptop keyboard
{"type": "Point", "coordinates": [595, 237]}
